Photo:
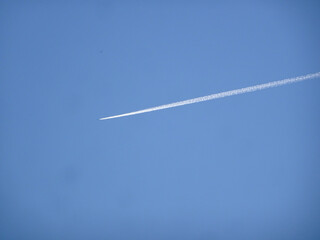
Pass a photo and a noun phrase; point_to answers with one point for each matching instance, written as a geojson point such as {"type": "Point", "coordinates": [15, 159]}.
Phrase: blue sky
{"type": "Point", "coordinates": [244, 167]}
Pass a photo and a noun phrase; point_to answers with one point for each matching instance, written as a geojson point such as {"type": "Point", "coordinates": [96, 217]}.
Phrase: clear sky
{"type": "Point", "coordinates": [243, 167]}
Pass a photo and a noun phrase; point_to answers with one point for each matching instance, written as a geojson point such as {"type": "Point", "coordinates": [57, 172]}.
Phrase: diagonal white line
{"type": "Point", "coordinates": [222, 94]}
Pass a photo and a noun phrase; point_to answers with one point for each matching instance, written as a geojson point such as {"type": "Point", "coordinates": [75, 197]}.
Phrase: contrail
{"type": "Point", "coordinates": [222, 94]}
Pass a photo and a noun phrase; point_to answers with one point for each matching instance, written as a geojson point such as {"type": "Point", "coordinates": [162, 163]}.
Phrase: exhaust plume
{"type": "Point", "coordinates": [222, 94]}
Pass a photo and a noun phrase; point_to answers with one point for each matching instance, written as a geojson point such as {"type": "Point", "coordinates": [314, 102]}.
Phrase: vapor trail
{"type": "Point", "coordinates": [222, 94]}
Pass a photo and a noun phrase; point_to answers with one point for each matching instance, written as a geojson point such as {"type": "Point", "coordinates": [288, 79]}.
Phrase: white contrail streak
{"type": "Point", "coordinates": [222, 94]}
